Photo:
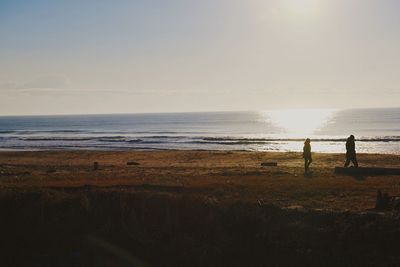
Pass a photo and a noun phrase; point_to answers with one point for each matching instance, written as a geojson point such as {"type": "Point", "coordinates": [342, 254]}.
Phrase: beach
{"type": "Point", "coordinates": [223, 175]}
{"type": "Point", "coordinates": [205, 208]}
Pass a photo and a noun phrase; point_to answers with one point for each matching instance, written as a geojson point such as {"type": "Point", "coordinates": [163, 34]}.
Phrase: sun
{"type": "Point", "coordinates": [302, 7]}
{"type": "Point", "coordinates": [299, 122]}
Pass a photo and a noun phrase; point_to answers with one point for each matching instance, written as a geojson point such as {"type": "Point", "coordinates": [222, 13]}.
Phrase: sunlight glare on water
{"type": "Point", "coordinates": [299, 122]}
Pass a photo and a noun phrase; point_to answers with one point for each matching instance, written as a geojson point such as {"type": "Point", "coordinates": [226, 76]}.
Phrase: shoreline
{"type": "Point", "coordinates": [144, 149]}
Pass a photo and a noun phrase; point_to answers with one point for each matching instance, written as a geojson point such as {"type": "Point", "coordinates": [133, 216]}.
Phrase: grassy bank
{"type": "Point", "coordinates": [94, 227]}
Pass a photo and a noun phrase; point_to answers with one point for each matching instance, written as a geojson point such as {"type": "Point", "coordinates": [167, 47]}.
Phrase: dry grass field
{"type": "Point", "coordinates": [232, 176]}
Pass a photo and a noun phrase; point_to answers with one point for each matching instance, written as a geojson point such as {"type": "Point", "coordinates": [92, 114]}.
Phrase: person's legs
{"type": "Point", "coordinates": [354, 160]}
{"type": "Point", "coordinates": [346, 164]}
{"type": "Point", "coordinates": [309, 162]}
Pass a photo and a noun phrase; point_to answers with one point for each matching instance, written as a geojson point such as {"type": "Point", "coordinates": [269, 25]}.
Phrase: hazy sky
{"type": "Point", "coordinates": [81, 56]}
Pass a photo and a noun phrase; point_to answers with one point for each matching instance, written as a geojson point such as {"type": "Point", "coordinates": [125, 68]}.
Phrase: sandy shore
{"type": "Point", "coordinates": [218, 176]}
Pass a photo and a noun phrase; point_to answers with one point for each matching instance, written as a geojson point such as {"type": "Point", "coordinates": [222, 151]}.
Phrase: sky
{"type": "Point", "coordinates": [127, 56]}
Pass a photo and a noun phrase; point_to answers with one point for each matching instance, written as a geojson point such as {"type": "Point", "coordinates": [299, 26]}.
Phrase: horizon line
{"type": "Point", "coordinates": [187, 112]}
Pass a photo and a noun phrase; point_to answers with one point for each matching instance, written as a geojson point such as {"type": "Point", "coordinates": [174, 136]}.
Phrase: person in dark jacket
{"type": "Point", "coordinates": [307, 154]}
{"type": "Point", "coordinates": [351, 152]}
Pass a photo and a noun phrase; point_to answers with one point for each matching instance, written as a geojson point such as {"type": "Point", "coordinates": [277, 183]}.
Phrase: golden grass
{"type": "Point", "coordinates": [225, 176]}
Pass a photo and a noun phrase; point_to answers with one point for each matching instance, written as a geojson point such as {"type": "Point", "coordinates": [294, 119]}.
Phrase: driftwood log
{"type": "Point", "coordinates": [132, 163]}
{"type": "Point", "coordinates": [270, 164]}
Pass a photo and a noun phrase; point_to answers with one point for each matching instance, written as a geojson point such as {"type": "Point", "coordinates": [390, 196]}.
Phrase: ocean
{"type": "Point", "coordinates": [376, 131]}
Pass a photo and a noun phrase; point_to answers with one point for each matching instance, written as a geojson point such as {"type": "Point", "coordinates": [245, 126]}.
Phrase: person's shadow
{"type": "Point", "coordinates": [358, 177]}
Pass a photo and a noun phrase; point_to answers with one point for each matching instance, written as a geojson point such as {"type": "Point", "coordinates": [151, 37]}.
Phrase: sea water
{"type": "Point", "coordinates": [376, 131]}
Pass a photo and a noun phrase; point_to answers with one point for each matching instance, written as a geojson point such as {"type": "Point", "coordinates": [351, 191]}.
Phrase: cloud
{"type": "Point", "coordinates": [42, 83]}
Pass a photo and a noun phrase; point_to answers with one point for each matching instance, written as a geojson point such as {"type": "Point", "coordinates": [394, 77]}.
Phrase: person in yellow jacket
{"type": "Point", "coordinates": [307, 154]}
